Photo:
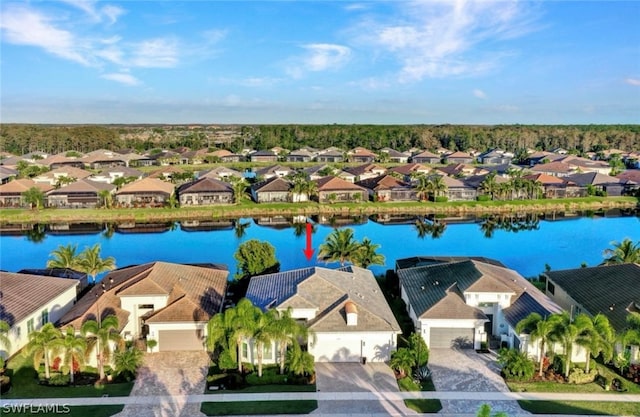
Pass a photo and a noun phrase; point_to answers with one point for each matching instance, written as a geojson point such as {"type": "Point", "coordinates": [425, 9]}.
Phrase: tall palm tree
{"type": "Point", "coordinates": [101, 335]}
{"type": "Point", "coordinates": [65, 257]}
{"type": "Point", "coordinates": [40, 344]}
{"type": "Point", "coordinates": [437, 186]}
{"type": "Point", "coordinates": [489, 184]}
{"type": "Point", "coordinates": [339, 246]}
{"type": "Point", "coordinates": [366, 254]}
{"type": "Point", "coordinates": [569, 331]}
{"type": "Point", "coordinates": [597, 338]}
{"type": "Point", "coordinates": [287, 331]}
{"type": "Point", "coordinates": [220, 333]}
{"type": "Point", "coordinates": [402, 360]}
{"type": "Point", "coordinates": [631, 335]}
{"type": "Point", "coordinates": [263, 334]}
{"type": "Point", "coordinates": [622, 253]}
{"type": "Point", "coordinates": [422, 187]}
{"type": "Point", "coordinates": [239, 187]}
{"type": "Point", "coordinates": [92, 264]}
{"type": "Point", "coordinates": [540, 329]}
{"type": "Point", "coordinates": [4, 335]}
{"type": "Point", "coordinates": [72, 347]}
{"type": "Point", "coordinates": [34, 197]}
{"type": "Point", "coordinates": [245, 315]}
{"type": "Point", "coordinates": [106, 198]}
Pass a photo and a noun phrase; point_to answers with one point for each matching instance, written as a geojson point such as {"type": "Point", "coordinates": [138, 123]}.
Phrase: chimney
{"type": "Point", "coordinates": [352, 313]}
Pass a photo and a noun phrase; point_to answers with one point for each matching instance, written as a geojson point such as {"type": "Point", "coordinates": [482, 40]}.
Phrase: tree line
{"type": "Point", "coordinates": [22, 138]}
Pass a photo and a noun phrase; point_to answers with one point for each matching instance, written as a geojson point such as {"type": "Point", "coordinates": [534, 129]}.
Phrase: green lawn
{"type": "Point", "coordinates": [24, 384]}
{"type": "Point", "coordinates": [581, 407]}
{"type": "Point", "coordinates": [423, 405]}
{"type": "Point", "coordinates": [268, 388]}
{"type": "Point", "coordinates": [233, 408]}
{"type": "Point", "coordinates": [78, 411]}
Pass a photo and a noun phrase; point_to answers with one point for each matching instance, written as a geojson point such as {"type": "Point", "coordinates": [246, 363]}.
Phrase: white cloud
{"type": "Point", "coordinates": [479, 94]}
{"type": "Point", "coordinates": [112, 13]}
{"type": "Point", "coordinates": [23, 26]}
{"type": "Point", "coordinates": [319, 57]}
{"type": "Point", "coordinates": [109, 11]}
{"type": "Point", "coordinates": [121, 77]}
{"type": "Point", "coordinates": [632, 81]}
{"type": "Point", "coordinates": [155, 53]}
{"type": "Point", "coordinates": [435, 39]}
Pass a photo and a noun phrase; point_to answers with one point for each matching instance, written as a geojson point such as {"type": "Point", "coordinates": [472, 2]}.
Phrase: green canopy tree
{"type": "Point", "coordinates": [622, 253]}
{"type": "Point", "coordinates": [40, 345]}
{"type": "Point", "coordinates": [65, 257]}
{"type": "Point", "coordinates": [92, 264]}
{"type": "Point", "coordinates": [402, 360]}
{"type": "Point", "coordinates": [103, 335]}
{"type": "Point", "coordinates": [254, 258]}
{"type": "Point", "coordinates": [339, 246]}
{"type": "Point", "coordinates": [72, 346]}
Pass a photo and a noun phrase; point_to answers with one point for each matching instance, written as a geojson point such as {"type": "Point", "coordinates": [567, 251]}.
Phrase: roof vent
{"type": "Point", "coordinates": [422, 287]}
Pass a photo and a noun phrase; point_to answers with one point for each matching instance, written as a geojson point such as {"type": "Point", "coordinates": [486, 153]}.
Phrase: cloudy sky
{"type": "Point", "coordinates": [429, 62]}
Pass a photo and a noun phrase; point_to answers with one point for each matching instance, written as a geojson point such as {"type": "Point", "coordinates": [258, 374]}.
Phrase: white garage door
{"type": "Point", "coordinates": [451, 337]}
{"type": "Point", "coordinates": [179, 340]}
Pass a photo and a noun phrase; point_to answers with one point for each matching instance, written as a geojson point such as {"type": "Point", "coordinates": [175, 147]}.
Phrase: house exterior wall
{"type": "Point", "coordinates": [148, 198]}
{"type": "Point", "coordinates": [155, 328]}
{"type": "Point", "coordinates": [351, 195]}
{"type": "Point", "coordinates": [132, 305]}
{"type": "Point", "coordinates": [353, 346]}
{"type": "Point", "coordinates": [478, 325]}
{"type": "Point", "coordinates": [205, 198]}
{"type": "Point", "coordinates": [270, 196]}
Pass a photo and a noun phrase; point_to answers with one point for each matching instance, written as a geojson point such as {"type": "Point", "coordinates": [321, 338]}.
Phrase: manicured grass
{"type": "Point", "coordinates": [267, 388]}
{"type": "Point", "coordinates": [234, 408]}
{"type": "Point", "coordinates": [581, 407]}
{"type": "Point", "coordinates": [423, 405]}
{"type": "Point", "coordinates": [24, 384]}
{"type": "Point", "coordinates": [77, 411]}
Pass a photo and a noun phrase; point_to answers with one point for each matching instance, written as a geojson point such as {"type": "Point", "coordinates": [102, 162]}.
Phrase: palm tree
{"type": "Point", "coordinates": [366, 254]}
{"type": "Point", "coordinates": [34, 197]}
{"type": "Point", "coordinates": [569, 331]}
{"type": "Point", "coordinates": [422, 187]}
{"type": "Point", "coordinates": [102, 334]}
{"type": "Point", "coordinates": [92, 264]}
{"type": "Point", "coordinates": [239, 187]}
{"type": "Point", "coordinates": [489, 184]}
{"type": "Point", "coordinates": [437, 186]}
{"type": "Point", "coordinates": [287, 331]}
{"type": "Point", "coordinates": [540, 329]}
{"type": "Point", "coordinates": [339, 246]}
{"type": "Point", "coordinates": [39, 345]}
{"type": "Point", "coordinates": [622, 253]}
{"type": "Point", "coordinates": [72, 347]}
{"type": "Point", "coordinates": [598, 338]}
{"type": "Point", "coordinates": [402, 360]}
{"type": "Point", "coordinates": [65, 257]}
{"type": "Point", "coordinates": [4, 335]}
{"type": "Point", "coordinates": [299, 362]}
{"type": "Point", "coordinates": [631, 335]}
{"type": "Point", "coordinates": [220, 332]}
{"type": "Point", "coordinates": [128, 361]}
{"type": "Point", "coordinates": [106, 198]}
{"type": "Point", "coordinates": [263, 333]}
{"type": "Point", "coordinates": [244, 319]}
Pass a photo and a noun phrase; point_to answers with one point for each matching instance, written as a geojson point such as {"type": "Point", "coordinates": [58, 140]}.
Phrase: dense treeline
{"type": "Point", "coordinates": [20, 139]}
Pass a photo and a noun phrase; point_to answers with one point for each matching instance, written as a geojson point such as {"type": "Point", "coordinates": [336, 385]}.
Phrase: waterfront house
{"type": "Point", "coordinates": [204, 192]}
{"type": "Point", "coordinates": [334, 189]}
{"type": "Point", "coordinates": [609, 185]}
{"type": "Point", "coordinates": [344, 308]}
{"type": "Point", "coordinates": [61, 175]}
{"type": "Point", "coordinates": [273, 190]}
{"type": "Point", "coordinates": [11, 192]}
{"type": "Point", "coordinates": [7, 174]}
{"type": "Point", "coordinates": [612, 290]}
{"type": "Point", "coordinates": [80, 277]}
{"type": "Point", "coordinates": [388, 188]}
{"type": "Point", "coordinates": [147, 192]}
{"type": "Point", "coordinates": [169, 303]}
{"type": "Point", "coordinates": [366, 171]}
{"type": "Point", "coordinates": [31, 301]}
{"type": "Point", "coordinates": [79, 194]}
{"type": "Point", "coordinates": [555, 187]}
{"type": "Point", "coordinates": [410, 171]}
{"type": "Point", "coordinates": [457, 190]}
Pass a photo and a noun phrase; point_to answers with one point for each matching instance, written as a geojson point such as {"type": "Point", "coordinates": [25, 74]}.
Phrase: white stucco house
{"type": "Point", "coordinates": [27, 302]}
{"type": "Point", "coordinates": [459, 302]}
{"type": "Point", "coordinates": [166, 302]}
{"type": "Point", "coordinates": [344, 308]}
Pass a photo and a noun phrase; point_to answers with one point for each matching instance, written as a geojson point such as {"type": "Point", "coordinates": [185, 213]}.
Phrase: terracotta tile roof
{"type": "Point", "coordinates": [366, 168]}
{"type": "Point", "coordinates": [557, 167]}
{"type": "Point", "coordinates": [630, 175]}
{"type": "Point", "coordinates": [23, 294]}
{"type": "Point", "coordinates": [21, 185]}
{"type": "Point", "coordinates": [83, 186]}
{"type": "Point", "coordinates": [383, 182]}
{"type": "Point", "coordinates": [147, 185]}
{"type": "Point", "coordinates": [360, 151]}
{"type": "Point", "coordinates": [183, 309]}
{"type": "Point", "coordinates": [204, 185]}
{"type": "Point", "coordinates": [426, 154]}
{"type": "Point", "coordinates": [459, 154]}
{"type": "Point", "coordinates": [593, 178]}
{"type": "Point", "coordinates": [331, 183]}
{"type": "Point", "coordinates": [57, 159]}
{"type": "Point", "coordinates": [546, 179]}
{"type": "Point", "coordinates": [410, 168]}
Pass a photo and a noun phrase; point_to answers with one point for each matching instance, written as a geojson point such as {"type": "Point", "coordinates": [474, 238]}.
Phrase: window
{"type": "Point", "coordinates": [267, 352]}
{"type": "Point", "coordinates": [30, 326]}
{"type": "Point", "coordinates": [147, 306]}
{"type": "Point", "coordinates": [44, 317]}
{"type": "Point", "coordinates": [245, 351]}
{"type": "Point", "coordinates": [551, 289]}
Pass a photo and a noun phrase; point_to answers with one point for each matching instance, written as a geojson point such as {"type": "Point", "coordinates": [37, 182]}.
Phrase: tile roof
{"type": "Point", "coordinates": [630, 175]}
{"type": "Point", "coordinates": [23, 294]}
{"type": "Point", "coordinates": [147, 185]}
{"type": "Point", "coordinates": [204, 185]}
{"type": "Point", "coordinates": [557, 167]}
{"type": "Point", "coordinates": [327, 291]}
{"type": "Point", "coordinates": [383, 182]}
{"type": "Point", "coordinates": [331, 183]}
{"type": "Point", "coordinates": [125, 171]}
{"type": "Point", "coordinates": [23, 184]}
{"type": "Point", "coordinates": [273, 184]}
{"type": "Point", "coordinates": [361, 169]}
{"type": "Point", "coordinates": [602, 289]}
{"type": "Point", "coordinates": [593, 178]}
{"type": "Point", "coordinates": [65, 171]}
{"type": "Point", "coordinates": [220, 172]}
{"type": "Point", "coordinates": [82, 186]}
{"type": "Point", "coordinates": [273, 169]}
{"type": "Point", "coordinates": [410, 168]}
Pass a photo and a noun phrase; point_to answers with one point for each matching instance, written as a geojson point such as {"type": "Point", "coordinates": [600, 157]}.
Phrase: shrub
{"type": "Point", "coordinates": [151, 343]}
{"type": "Point", "coordinates": [578, 376]}
{"type": "Point", "coordinates": [248, 367]}
{"type": "Point", "coordinates": [226, 361]}
{"type": "Point", "coordinates": [557, 365]}
{"type": "Point", "coordinates": [484, 197]}
{"type": "Point", "coordinates": [59, 380]}
{"type": "Point", "coordinates": [441, 199]}
{"type": "Point", "coordinates": [516, 365]}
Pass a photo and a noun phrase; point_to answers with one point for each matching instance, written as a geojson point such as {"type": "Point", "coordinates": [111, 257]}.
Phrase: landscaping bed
{"type": "Point", "coordinates": [248, 381]}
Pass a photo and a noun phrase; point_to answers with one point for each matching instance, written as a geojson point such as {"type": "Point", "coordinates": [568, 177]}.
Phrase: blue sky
{"type": "Point", "coordinates": [381, 62]}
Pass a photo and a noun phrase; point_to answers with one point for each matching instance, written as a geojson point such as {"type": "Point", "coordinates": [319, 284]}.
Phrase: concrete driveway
{"type": "Point", "coordinates": [466, 370]}
{"type": "Point", "coordinates": [169, 373]}
{"type": "Point", "coordinates": [345, 378]}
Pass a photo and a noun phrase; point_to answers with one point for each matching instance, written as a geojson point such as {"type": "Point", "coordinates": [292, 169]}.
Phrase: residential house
{"type": "Point", "coordinates": [34, 157]}
{"type": "Point", "coordinates": [166, 302]}
{"type": "Point", "coordinates": [458, 158]}
{"type": "Point", "coordinates": [273, 171]}
{"type": "Point", "coordinates": [347, 176]}
{"type": "Point", "coordinates": [426, 157]}
{"type": "Point", "coordinates": [318, 171]}
{"type": "Point", "coordinates": [542, 157]}
{"type": "Point", "coordinates": [7, 174]}
{"type": "Point", "coordinates": [462, 170]}
{"type": "Point", "coordinates": [111, 174]}
{"type": "Point", "coordinates": [344, 308]}
{"type": "Point", "coordinates": [11, 192]}
{"type": "Point", "coordinates": [410, 171]}
{"type": "Point", "coordinates": [395, 156]}
{"type": "Point", "coordinates": [457, 190]}
{"type": "Point", "coordinates": [462, 302]}
{"type": "Point", "coordinates": [263, 156]}
{"type": "Point", "coordinates": [631, 180]}
{"type": "Point", "coordinates": [331, 155]}
{"type": "Point", "coordinates": [334, 189]}
{"type": "Point", "coordinates": [11, 162]}
{"type": "Point", "coordinates": [80, 277]}
{"type": "Point", "coordinates": [103, 158]}
{"type": "Point", "coordinates": [151, 192]}
{"type": "Point", "coordinates": [61, 160]}
{"type": "Point", "coordinates": [301, 155]}
{"type": "Point", "coordinates": [79, 194]}
{"type": "Point", "coordinates": [612, 186]}
{"type": "Point", "coordinates": [169, 173]}
{"type": "Point", "coordinates": [586, 165]}
{"type": "Point", "coordinates": [388, 188]}
{"type": "Point", "coordinates": [165, 158]}
{"type": "Point", "coordinates": [221, 173]}
{"type": "Point", "coordinates": [555, 187]}
{"type": "Point", "coordinates": [204, 192]}
{"type": "Point", "coordinates": [226, 156]}
{"type": "Point", "coordinates": [273, 190]}
{"type": "Point", "coordinates": [555, 169]}
{"type": "Point", "coordinates": [61, 175]}
{"type": "Point", "coordinates": [366, 171]}
{"type": "Point", "coordinates": [31, 301]}
{"type": "Point", "coordinates": [611, 290]}
{"type": "Point", "coordinates": [194, 157]}
{"type": "Point", "coordinates": [362, 155]}
{"type": "Point", "coordinates": [495, 157]}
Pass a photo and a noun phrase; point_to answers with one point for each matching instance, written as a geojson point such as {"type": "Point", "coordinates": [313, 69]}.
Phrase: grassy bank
{"type": "Point", "coordinates": [250, 209]}
{"type": "Point", "coordinates": [605, 408]}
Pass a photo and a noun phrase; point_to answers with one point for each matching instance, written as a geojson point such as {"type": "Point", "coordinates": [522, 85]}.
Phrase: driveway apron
{"type": "Point", "coordinates": [344, 378]}
{"type": "Point", "coordinates": [177, 374]}
{"type": "Point", "coordinates": [460, 370]}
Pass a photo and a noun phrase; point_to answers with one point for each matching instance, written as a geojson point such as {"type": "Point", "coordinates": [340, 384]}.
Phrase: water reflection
{"type": "Point", "coordinates": [434, 228]}
{"type": "Point", "coordinates": [509, 223]}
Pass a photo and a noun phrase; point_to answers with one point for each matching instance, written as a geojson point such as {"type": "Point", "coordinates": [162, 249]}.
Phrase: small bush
{"type": "Point", "coordinates": [247, 367]}
{"type": "Point", "coordinates": [557, 365]}
{"type": "Point", "coordinates": [441, 199]}
{"type": "Point", "coordinates": [58, 380]}
{"type": "Point", "coordinates": [578, 376]}
{"type": "Point", "coordinates": [484, 197]}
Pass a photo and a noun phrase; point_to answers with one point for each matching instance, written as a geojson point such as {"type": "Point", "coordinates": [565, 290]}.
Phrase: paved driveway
{"type": "Point", "coordinates": [353, 377]}
{"type": "Point", "coordinates": [467, 370]}
{"type": "Point", "coordinates": [169, 373]}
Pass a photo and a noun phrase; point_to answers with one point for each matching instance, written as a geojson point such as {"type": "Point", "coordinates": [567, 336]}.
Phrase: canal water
{"type": "Point", "coordinates": [527, 243]}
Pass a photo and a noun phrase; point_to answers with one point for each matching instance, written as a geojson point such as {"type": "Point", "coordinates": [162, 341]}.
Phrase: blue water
{"type": "Point", "coordinates": [561, 244]}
